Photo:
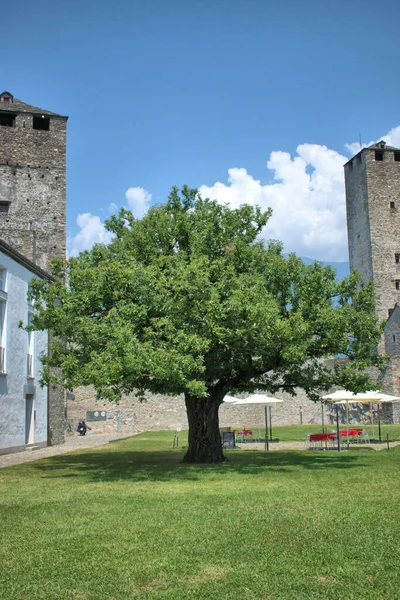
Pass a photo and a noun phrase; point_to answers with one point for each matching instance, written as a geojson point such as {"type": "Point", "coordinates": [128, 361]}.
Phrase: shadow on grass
{"type": "Point", "coordinates": [124, 464]}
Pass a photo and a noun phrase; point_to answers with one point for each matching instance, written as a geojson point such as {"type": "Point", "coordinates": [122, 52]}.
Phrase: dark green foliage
{"type": "Point", "coordinates": [190, 300]}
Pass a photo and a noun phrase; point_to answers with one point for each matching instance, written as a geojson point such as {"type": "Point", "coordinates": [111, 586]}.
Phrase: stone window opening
{"type": "Point", "coordinates": [397, 257]}
{"type": "Point", "coordinates": [393, 204]}
{"type": "Point", "coordinates": [397, 156]}
{"type": "Point", "coordinates": [379, 155]}
{"type": "Point", "coordinates": [393, 338]}
{"type": "Point", "coordinates": [42, 123]}
{"type": "Point", "coordinates": [7, 119]}
{"type": "Point", "coordinates": [397, 284]}
{"type": "Point", "coordinates": [4, 207]}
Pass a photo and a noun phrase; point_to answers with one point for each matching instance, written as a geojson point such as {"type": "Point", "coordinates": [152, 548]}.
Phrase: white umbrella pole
{"type": "Point", "coordinates": [372, 421]}
{"type": "Point", "coordinates": [347, 422]}
{"type": "Point", "coordinates": [266, 429]}
{"type": "Point", "coordinates": [379, 422]}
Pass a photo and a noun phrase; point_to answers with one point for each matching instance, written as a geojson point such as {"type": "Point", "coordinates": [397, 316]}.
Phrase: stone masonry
{"type": "Point", "coordinates": [373, 221]}
{"type": "Point", "coordinates": [33, 199]}
{"type": "Point", "coordinates": [159, 412]}
{"type": "Point", "coordinates": [372, 179]}
{"type": "Point", "coordinates": [32, 180]}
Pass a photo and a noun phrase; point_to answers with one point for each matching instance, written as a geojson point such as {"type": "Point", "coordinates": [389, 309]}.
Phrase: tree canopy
{"type": "Point", "coordinates": [190, 300]}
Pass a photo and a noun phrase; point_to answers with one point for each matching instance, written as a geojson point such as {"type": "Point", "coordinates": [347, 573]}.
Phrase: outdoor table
{"type": "Point", "coordinates": [351, 432]}
{"type": "Point", "coordinates": [322, 437]}
{"type": "Point", "coordinates": [244, 432]}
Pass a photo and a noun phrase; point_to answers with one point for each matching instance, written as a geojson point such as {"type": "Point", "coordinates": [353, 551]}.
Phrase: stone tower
{"type": "Point", "coordinates": [33, 201]}
{"type": "Point", "coordinates": [372, 179]}
{"type": "Point", "coordinates": [32, 180]}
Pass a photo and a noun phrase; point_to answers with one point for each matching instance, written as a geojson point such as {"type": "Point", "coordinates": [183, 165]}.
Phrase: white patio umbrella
{"type": "Point", "coordinates": [267, 401]}
{"type": "Point", "coordinates": [369, 397]}
{"type": "Point", "coordinates": [230, 399]}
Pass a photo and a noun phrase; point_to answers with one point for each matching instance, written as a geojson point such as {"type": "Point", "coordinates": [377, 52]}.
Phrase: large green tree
{"type": "Point", "coordinates": [190, 300]}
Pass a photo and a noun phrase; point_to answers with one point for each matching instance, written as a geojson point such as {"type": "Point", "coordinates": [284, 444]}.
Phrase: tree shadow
{"type": "Point", "coordinates": [118, 464]}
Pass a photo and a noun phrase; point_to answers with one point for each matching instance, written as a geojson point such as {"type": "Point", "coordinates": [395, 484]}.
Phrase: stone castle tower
{"type": "Point", "coordinates": [33, 200]}
{"type": "Point", "coordinates": [32, 180]}
{"type": "Point", "coordinates": [372, 179]}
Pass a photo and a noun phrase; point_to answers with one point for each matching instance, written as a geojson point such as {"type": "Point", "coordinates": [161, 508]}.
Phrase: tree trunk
{"type": "Point", "coordinates": [205, 445]}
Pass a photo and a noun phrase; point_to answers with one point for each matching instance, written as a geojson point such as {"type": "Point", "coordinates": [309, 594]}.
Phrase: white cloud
{"type": "Point", "coordinates": [307, 198]}
{"type": "Point", "coordinates": [306, 195]}
{"type": "Point", "coordinates": [138, 201]}
{"type": "Point", "coordinates": [92, 231]}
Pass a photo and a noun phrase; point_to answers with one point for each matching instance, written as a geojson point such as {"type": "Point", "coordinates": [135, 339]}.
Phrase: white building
{"type": "Point", "coordinates": [23, 403]}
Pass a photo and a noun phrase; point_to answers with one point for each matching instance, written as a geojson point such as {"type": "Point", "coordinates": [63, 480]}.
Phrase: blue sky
{"type": "Point", "coordinates": [166, 92]}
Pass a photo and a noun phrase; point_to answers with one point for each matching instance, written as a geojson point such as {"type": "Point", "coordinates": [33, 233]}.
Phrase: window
{"type": "Point", "coordinates": [379, 155]}
{"type": "Point", "coordinates": [7, 119]}
{"type": "Point", "coordinates": [393, 339]}
{"type": "Point", "coordinates": [3, 279]}
{"type": "Point", "coordinates": [42, 123]}
{"type": "Point", "coordinates": [397, 257]}
{"type": "Point", "coordinates": [397, 282]}
{"type": "Point", "coordinates": [30, 348]}
{"type": "Point", "coordinates": [397, 156]}
{"type": "Point", "coordinates": [3, 305]}
{"type": "Point", "coordinates": [4, 207]}
{"type": "Point", "coordinates": [392, 205]}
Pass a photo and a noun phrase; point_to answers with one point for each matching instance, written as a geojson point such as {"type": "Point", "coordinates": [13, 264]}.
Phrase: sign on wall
{"type": "Point", "coordinates": [96, 415]}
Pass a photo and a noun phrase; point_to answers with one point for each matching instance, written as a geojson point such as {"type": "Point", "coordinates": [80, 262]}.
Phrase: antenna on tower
{"type": "Point", "coordinates": [359, 135]}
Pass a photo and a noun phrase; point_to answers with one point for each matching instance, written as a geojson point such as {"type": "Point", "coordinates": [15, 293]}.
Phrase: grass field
{"type": "Point", "coordinates": [129, 521]}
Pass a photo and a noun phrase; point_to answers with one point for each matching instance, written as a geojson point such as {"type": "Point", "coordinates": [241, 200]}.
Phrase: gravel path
{"type": "Point", "coordinates": [73, 442]}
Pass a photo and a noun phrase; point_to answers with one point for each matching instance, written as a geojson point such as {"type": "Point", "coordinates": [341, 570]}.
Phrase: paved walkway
{"type": "Point", "coordinates": [73, 442]}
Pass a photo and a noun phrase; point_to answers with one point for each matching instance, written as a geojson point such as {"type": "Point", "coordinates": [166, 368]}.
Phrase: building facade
{"type": "Point", "coordinates": [372, 180]}
{"type": "Point", "coordinates": [23, 403]}
{"type": "Point", "coordinates": [32, 180]}
{"type": "Point", "coordinates": [33, 199]}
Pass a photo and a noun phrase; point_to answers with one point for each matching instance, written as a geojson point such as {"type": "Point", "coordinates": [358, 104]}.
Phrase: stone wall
{"type": "Point", "coordinates": [168, 412]}
{"type": "Point", "coordinates": [373, 224]}
{"type": "Point", "coordinates": [33, 184]}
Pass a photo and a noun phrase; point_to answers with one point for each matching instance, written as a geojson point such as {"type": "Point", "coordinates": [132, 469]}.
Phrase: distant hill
{"type": "Point", "coordinates": [342, 268]}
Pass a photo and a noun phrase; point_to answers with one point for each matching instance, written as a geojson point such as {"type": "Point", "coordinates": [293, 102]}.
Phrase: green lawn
{"type": "Point", "coordinates": [129, 521]}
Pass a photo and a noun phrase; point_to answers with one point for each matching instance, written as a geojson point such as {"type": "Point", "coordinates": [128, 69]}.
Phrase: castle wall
{"type": "Point", "coordinates": [33, 185]}
{"type": "Point", "coordinates": [358, 228]}
{"type": "Point", "coordinates": [33, 182]}
{"type": "Point", "coordinates": [158, 412]}
{"type": "Point", "coordinates": [373, 226]}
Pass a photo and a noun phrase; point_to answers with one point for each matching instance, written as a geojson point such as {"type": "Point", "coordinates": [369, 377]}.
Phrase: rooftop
{"type": "Point", "coordinates": [25, 262]}
{"type": "Point", "coordinates": [376, 146]}
{"type": "Point", "coordinates": [9, 103]}
{"type": "Point", "coordinates": [382, 145]}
